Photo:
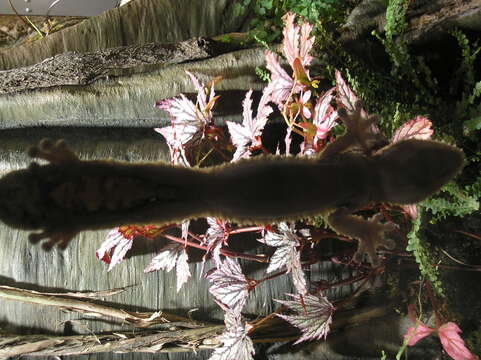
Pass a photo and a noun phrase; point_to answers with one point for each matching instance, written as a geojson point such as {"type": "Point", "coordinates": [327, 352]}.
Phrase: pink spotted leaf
{"type": "Point", "coordinates": [282, 84]}
{"type": "Point", "coordinates": [176, 145]}
{"type": "Point", "coordinates": [189, 120]}
{"type": "Point", "coordinates": [411, 210]}
{"type": "Point", "coordinates": [248, 133]}
{"type": "Point", "coordinates": [323, 120]}
{"type": "Point", "coordinates": [114, 248]}
{"type": "Point", "coordinates": [165, 259]}
{"type": "Point", "coordinates": [417, 128]}
{"type": "Point", "coordinates": [325, 116]}
{"type": "Point", "coordinates": [183, 111]}
{"type": "Point", "coordinates": [186, 125]}
{"type": "Point", "coordinates": [417, 332]}
{"type": "Point", "coordinates": [448, 334]}
{"type": "Point", "coordinates": [230, 287]}
{"type": "Point", "coordinates": [298, 276]}
{"type": "Point", "coordinates": [297, 42]}
{"type": "Point", "coordinates": [205, 97]}
{"type": "Point", "coordinates": [347, 99]}
{"type": "Point", "coordinates": [184, 227]}
{"type": "Point", "coordinates": [452, 343]}
{"type": "Point", "coordinates": [236, 344]}
{"type": "Point", "coordinates": [312, 315]}
{"type": "Point", "coordinates": [182, 270]}
{"type": "Point", "coordinates": [215, 237]}
{"type": "Point", "coordinates": [344, 95]}
{"type": "Point", "coordinates": [286, 254]}
{"type": "Point", "coordinates": [172, 255]}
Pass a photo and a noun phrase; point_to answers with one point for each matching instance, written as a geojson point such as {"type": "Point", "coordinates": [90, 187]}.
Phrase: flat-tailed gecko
{"type": "Point", "coordinates": [69, 195]}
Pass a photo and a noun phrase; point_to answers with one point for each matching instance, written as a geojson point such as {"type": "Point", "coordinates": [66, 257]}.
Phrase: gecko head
{"type": "Point", "coordinates": [412, 170]}
{"type": "Point", "coordinates": [20, 200]}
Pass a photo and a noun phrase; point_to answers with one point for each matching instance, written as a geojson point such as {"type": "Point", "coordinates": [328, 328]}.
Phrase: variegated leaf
{"type": "Point", "coordinates": [312, 315]}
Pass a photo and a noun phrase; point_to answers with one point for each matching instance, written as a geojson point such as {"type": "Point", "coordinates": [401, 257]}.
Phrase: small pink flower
{"type": "Point", "coordinates": [448, 335]}
{"type": "Point", "coordinates": [304, 104]}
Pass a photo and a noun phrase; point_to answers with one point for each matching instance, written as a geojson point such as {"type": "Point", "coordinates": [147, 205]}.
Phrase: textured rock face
{"type": "Point", "coordinates": [428, 19]}
{"type": "Point", "coordinates": [115, 82]}
{"type": "Point", "coordinates": [428, 28]}
{"type": "Point", "coordinates": [129, 102]}
{"type": "Point", "coordinates": [138, 22]}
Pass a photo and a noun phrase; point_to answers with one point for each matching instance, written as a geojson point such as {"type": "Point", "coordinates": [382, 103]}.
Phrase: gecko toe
{"type": "Point", "coordinates": [358, 105]}
{"type": "Point", "coordinates": [389, 244]}
{"type": "Point", "coordinates": [59, 238]}
{"type": "Point", "coordinates": [61, 145]}
{"type": "Point", "coordinates": [55, 153]}
{"type": "Point", "coordinates": [45, 144]}
{"type": "Point", "coordinates": [342, 113]}
{"type": "Point", "coordinates": [48, 245]}
{"type": "Point", "coordinates": [34, 238]}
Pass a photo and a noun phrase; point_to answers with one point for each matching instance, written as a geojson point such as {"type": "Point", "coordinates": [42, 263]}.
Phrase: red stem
{"type": "Point", "coordinates": [434, 303]}
{"type": "Point", "coordinates": [247, 229]}
{"type": "Point", "coordinates": [474, 236]}
{"type": "Point", "coordinates": [270, 277]}
{"type": "Point", "coordinates": [257, 258]}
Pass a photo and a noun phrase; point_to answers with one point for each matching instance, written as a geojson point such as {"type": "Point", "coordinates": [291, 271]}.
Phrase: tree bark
{"type": "Point", "coordinates": [137, 23]}
{"type": "Point", "coordinates": [82, 69]}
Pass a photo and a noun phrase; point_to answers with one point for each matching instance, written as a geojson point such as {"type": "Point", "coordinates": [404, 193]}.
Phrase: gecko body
{"type": "Point", "coordinates": [70, 195]}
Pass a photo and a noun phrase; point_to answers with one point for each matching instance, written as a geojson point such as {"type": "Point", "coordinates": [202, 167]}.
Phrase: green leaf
{"type": "Point", "coordinates": [472, 124]}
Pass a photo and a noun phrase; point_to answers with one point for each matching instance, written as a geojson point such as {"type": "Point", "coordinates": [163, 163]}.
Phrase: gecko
{"type": "Point", "coordinates": [69, 195]}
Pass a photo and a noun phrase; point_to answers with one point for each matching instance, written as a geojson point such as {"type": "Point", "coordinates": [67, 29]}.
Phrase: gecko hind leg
{"type": "Point", "coordinates": [56, 153]}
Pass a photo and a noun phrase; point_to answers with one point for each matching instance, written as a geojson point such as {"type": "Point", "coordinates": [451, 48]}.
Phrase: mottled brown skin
{"type": "Point", "coordinates": [69, 195]}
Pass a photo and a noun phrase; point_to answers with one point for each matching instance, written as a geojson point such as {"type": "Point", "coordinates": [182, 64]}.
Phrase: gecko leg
{"type": "Point", "coordinates": [60, 238]}
{"type": "Point", "coordinates": [369, 233]}
{"type": "Point", "coordinates": [56, 153]}
{"type": "Point", "coordinates": [361, 131]}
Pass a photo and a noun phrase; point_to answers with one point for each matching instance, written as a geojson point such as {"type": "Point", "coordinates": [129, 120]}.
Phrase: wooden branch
{"type": "Point", "coordinates": [82, 69]}
{"type": "Point", "coordinates": [69, 302]}
{"type": "Point", "coordinates": [426, 20]}
{"type": "Point", "coordinates": [153, 341]}
{"type": "Point", "coordinates": [117, 342]}
{"type": "Point", "coordinates": [179, 336]}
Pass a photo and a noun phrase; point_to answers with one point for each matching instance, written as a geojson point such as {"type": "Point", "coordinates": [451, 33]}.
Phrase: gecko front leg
{"type": "Point", "coordinates": [362, 134]}
{"type": "Point", "coordinates": [55, 237]}
{"type": "Point", "coordinates": [369, 233]}
{"type": "Point", "coordinates": [57, 153]}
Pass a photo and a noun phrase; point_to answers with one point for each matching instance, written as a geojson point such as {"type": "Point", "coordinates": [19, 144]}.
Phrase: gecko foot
{"type": "Point", "coordinates": [57, 153]}
{"type": "Point", "coordinates": [370, 233]}
{"type": "Point", "coordinates": [361, 133]}
{"type": "Point", "coordinates": [59, 238]}
{"type": "Point", "coordinates": [361, 128]}
{"type": "Point", "coordinates": [374, 237]}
